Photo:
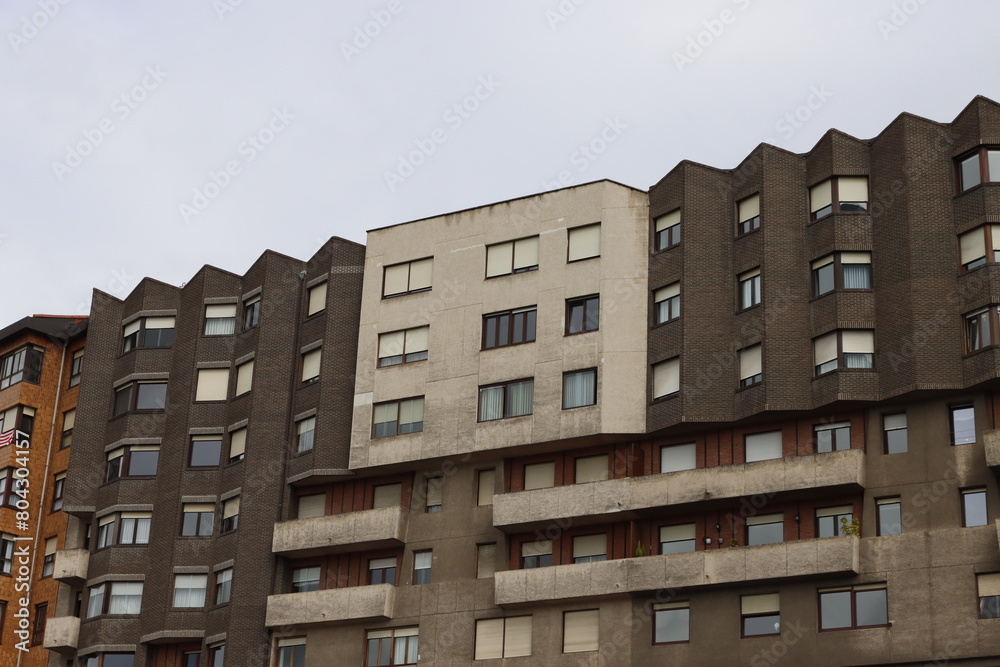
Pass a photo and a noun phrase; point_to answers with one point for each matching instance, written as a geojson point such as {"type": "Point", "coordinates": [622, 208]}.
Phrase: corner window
{"type": "Point", "coordinates": [251, 312]}
{"type": "Point", "coordinates": [590, 548]}
{"type": "Point", "coordinates": [503, 637]}
{"type": "Point", "coordinates": [579, 389]}
{"type": "Point", "coordinates": [422, 561]}
{"type": "Point", "coordinates": [849, 607]}
{"type": "Point", "coordinates": [982, 166]}
{"type": "Point", "coordinates": [583, 314]}
{"type": "Point", "coordinates": [24, 365]}
{"type": "Point", "coordinates": [391, 647]}
{"type": "Point", "coordinates": [311, 365]}
{"type": "Point", "coordinates": [749, 289]}
{"type": "Point", "coordinates": [666, 378]}
{"type": "Point", "coordinates": [198, 520]}
{"type": "Point", "coordinates": [76, 368]}
{"type": "Point", "coordinates": [220, 320]}
{"type": "Point", "coordinates": [989, 595]}
{"type": "Point", "coordinates": [830, 521]}
{"type": "Point", "coordinates": [748, 215]}
{"type": "Point", "coordinates": [398, 417]}
{"type": "Point", "coordinates": [402, 347]}
{"type": "Point", "coordinates": [584, 242]}
{"type": "Point", "coordinates": [841, 194]}
{"type": "Point", "coordinates": [509, 327]}
{"type": "Point", "coordinates": [148, 332]}
{"type": "Point", "coordinates": [979, 247]}
{"type": "Point", "coordinates": [407, 278]}
{"type": "Point", "coordinates": [679, 539]}
{"type": "Point", "coordinates": [668, 230]}
{"type": "Point", "coordinates": [114, 598]}
{"type": "Point", "coordinates": [509, 399]}
{"type": "Point", "coordinates": [765, 529]}
{"type": "Point", "coordinates": [140, 396]}
{"type": "Point", "coordinates": [890, 519]}
{"type": "Point", "coordinates": [979, 328]}
{"type": "Point", "coordinates": [963, 425]}
{"type": "Point", "coordinates": [667, 303]}
{"type": "Point", "coordinates": [974, 508]}
{"type": "Point", "coordinates": [842, 271]}
{"type": "Point", "coordinates": [237, 445]}
{"type": "Point", "coordinates": [189, 590]}
{"type": "Point", "coordinates": [305, 434]}
{"type": "Point", "coordinates": [750, 366]}
{"type": "Point", "coordinates": [213, 384]}
{"type": "Point", "coordinates": [894, 433]}
{"type": "Point", "coordinates": [503, 259]}
{"type": "Point", "coordinates": [316, 299]}
{"type": "Point", "coordinates": [832, 437]}
{"type": "Point", "coordinates": [223, 585]}
{"type": "Point", "coordinates": [230, 515]}
{"type": "Point", "coordinates": [844, 348]}
{"type": "Point", "coordinates": [762, 446]}
{"type": "Point", "coordinates": [536, 554]}
{"type": "Point", "coordinates": [206, 451]}
{"type": "Point", "coordinates": [760, 615]}
{"type": "Point", "coordinates": [132, 461]}
{"type": "Point", "coordinates": [581, 631]}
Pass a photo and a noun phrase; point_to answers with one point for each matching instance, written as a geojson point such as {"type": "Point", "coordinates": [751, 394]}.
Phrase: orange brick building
{"type": "Point", "coordinates": [41, 358]}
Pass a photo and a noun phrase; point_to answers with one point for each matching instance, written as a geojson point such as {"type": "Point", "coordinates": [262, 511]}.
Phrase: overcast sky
{"type": "Point", "coordinates": [148, 139]}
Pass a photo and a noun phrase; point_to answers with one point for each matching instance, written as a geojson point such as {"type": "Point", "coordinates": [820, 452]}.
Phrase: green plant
{"type": "Point", "coordinates": [852, 527]}
{"type": "Point", "coordinates": [639, 549]}
{"type": "Point", "coordinates": [733, 542]}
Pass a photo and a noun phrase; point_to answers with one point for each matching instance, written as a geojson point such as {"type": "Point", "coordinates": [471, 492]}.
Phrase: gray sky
{"type": "Point", "coordinates": [152, 138]}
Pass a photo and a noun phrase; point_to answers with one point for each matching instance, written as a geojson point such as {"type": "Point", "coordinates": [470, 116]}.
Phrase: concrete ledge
{"type": "Point", "coordinates": [368, 529]}
{"type": "Point", "coordinates": [71, 565]}
{"type": "Point", "coordinates": [62, 634]}
{"type": "Point", "coordinates": [597, 501]}
{"type": "Point", "coordinates": [330, 606]}
{"type": "Point", "coordinates": [991, 441]}
{"type": "Point", "coordinates": [770, 562]}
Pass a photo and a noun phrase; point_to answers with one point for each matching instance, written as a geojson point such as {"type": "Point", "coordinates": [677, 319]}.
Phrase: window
{"type": "Point", "coordinates": [840, 194]}
{"type": "Point", "coordinates": [310, 365]}
{"type": "Point", "coordinates": [590, 469]}
{"type": "Point", "coordinates": [206, 451]}
{"type": "Point", "coordinates": [305, 433]}
{"type": "Point", "coordinates": [979, 326]}
{"type": "Point", "coordinates": [230, 515]}
{"type": "Point", "coordinates": [748, 215]}
{"type": "Point", "coordinates": [407, 278]}
{"type": "Point", "coordinates": [317, 299]}
{"type": "Point", "coordinates": [860, 606]}
{"type": "Point", "coordinates": [894, 429]}
{"type": "Point", "coordinates": [503, 637]}
{"type": "Point", "coordinates": [191, 659]}
{"type": "Point", "coordinates": [398, 417]}
{"type": "Point", "coordinates": [402, 347]}
{"type": "Point", "coordinates": [666, 378]}
{"type": "Point", "coordinates": [486, 560]}
{"type": "Point", "coordinates": [387, 495]}
{"type": "Point", "coordinates": [220, 320]}
{"type": "Point", "coordinates": [251, 312]}
{"type": "Point", "coordinates": [189, 590]}
{"type": "Point", "coordinates": [989, 595]}
{"type": "Point", "coordinates": [590, 548]}
{"type": "Point", "coordinates": [223, 585]}
{"type": "Point", "coordinates": [292, 652]}
{"type": "Point", "coordinates": [382, 570]}
{"type": "Point", "coordinates": [667, 303]}
{"type": "Point", "coordinates": [889, 516]}
{"type": "Point", "coordinates": [844, 348]}
{"type": "Point", "coordinates": [27, 419]}
{"type": "Point", "coordinates": [750, 366]}
{"type": "Point", "coordinates": [510, 399]}
{"type": "Point", "coordinates": [106, 530]}
{"type": "Point", "coordinates": [312, 505]}
{"type": "Point", "coordinates": [765, 529]}
{"type": "Point", "coordinates": [674, 458]}
{"type": "Point", "coordinates": [583, 314]}
{"type": "Point", "coordinates": [148, 332]}
{"type": "Point", "coordinates": [518, 256]}
{"type": "Point", "coordinates": [134, 527]}
{"type": "Point", "coordinates": [963, 425]}
{"type": "Point", "coordinates": [510, 327]}
{"type": "Point", "coordinates": [422, 567]}
{"type": "Point", "coordinates": [668, 230]}
{"type": "Point", "coordinates": [842, 271]}
{"type": "Point", "coordinates": [749, 289]}
{"type": "Point", "coordinates": [139, 396]}
{"type": "Point", "coordinates": [671, 622]}
{"type": "Point", "coordinates": [832, 437]}
{"type": "Point", "coordinates": [581, 631]}
{"type": "Point", "coordinates": [132, 461]}
{"type": "Point", "coordinates": [24, 365]}
{"type": "Point", "coordinates": [539, 475]}
{"type": "Point", "coordinates": [8, 419]}
{"type": "Point", "coordinates": [198, 519]}
{"type": "Point", "coordinates": [244, 378]}
{"type": "Point", "coordinates": [305, 579]}
{"type": "Point", "coordinates": [38, 632]}
{"type": "Point", "coordinates": [216, 655]}
{"type": "Point", "coordinates": [395, 646]}
{"type": "Point", "coordinates": [58, 488]}
{"type": "Point", "coordinates": [6, 553]}
{"type": "Point", "coordinates": [11, 489]}
{"type": "Point", "coordinates": [69, 421]}
{"type": "Point", "coordinates": [678, 539]}
{"type": "Point", "coordinates": [579, 388]}
{"type": "Point", "coordinates": [486, 484]}
{"type": "Point", "coordinates": [433, 491]}
{"type": "Point", "coordinates": [979, 247]}
{"type": "Point", "coordinates": [829, 520]}
{"type": "Point", "coordinates": [982, 166]}
{"type": "Point", "coordinates": [760, 615]}
{"type": "Point", "coordinates": [974, 507]}
{"type": "Point", "coordinates": [49, 562]}
{"type": "Point", "coordinates": [76, 368]}
{"type": "Point", "coordinates": [237, 445]}
{"type": "Point", "coordinates": [762, 446]}
{"type": "Point", "coordinates": [115, 598]}
{"type": "Point", "coordinates": [110, 660]}
{"type": "Point", "coordinates": [536, 554]}
{"type": "Point", "coordinates": [584, 242]}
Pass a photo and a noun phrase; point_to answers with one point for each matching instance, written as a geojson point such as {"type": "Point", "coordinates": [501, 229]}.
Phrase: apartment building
{"type": "Point", "coordinates": [41, 361]}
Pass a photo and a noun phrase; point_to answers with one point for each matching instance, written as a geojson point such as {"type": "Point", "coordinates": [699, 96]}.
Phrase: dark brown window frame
{"type": "Point", "coordinates": [841, 355]}
{"type": "Point", "coordinates": [886, 431]}
{"type": "Point", "coordinates": [513, 248]}
{"type": "Point", "coordinates": [838, 274]}
{"type": "Point", "coordinates": [140, 335]}
{"type": "Point", "coordinates": [75, 367]}
{"type": "Point", "coordinates": [653, 624]}
{"type": "Point", "coordinates": [218, 437]}
{"type": "Point", "coordinates": [990, 316]}
{"type": "Point", "coordinates": [133, 388]}
{"type": "Point", "coordinates": [506, 400]}
{"type": "Point", "coordinates": [29, 370]}
{"type": "Point", "coordinates": [404, 355]}
{"type": "Point", "coordinates": [511, 317]}
{"type": "Point", "coordinates": [397, 401]}
{"type": "Point", "coordinates": [975, 490]}
{"type": "Point", "coordinates": [586, 302]}
{"type": "Point", "coordinates": [984, 176]}
{"type": "Point", "coordinates": [251, 312]}
{"type": "Point", "coordinates": [854, 608]}
{"type": "Point", "coordinates": [835, 202]}
{"type": "Point", "coordinates": [409, 263]}
{"type": "Point", "coordinates": [951, 422]}
{"type": "Point", "coordinates": [58, 489]}
{"type": "Point", "coordinates": [744, 617]}
{"type": "Point", "coordinates": [413, 579]}
{"type": "Point", "coordinates": [990, 256]}
{"type": "Point", "coordinates": [756, 290]}
{"type": "Point", "coordinates": [126, 464]}
{"type": "Point", "coordinates": [580, 371]}
{"type": "Point", "coordinates": [750, 225]}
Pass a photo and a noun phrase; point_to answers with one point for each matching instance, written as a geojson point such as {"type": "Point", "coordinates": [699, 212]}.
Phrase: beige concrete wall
{"type": "Point", "coordinates": [354, 531]}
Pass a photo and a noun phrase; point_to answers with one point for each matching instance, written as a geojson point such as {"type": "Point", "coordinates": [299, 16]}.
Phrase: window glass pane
{"type": "Point", "coordinates": [993, 165]}
{"type": "Point", "coordinates": [678, 457]}
{"type": "Point", "coordinates": [672, 625]}
{"type": "Point", "coordinates": [889, 519]}
{"type": "Point", "coordinates": [122, 398]}
{"type": "Point", "coordinates": [963, 425]}
{"type": "Point", "coordinates": [152, 396]}
{"type": "Point", "coordinates": [835, 610]}
{"type": "Point", "coordinates": [970, 171]}
{"type": "Point", "coordinates": [857, 276]}
{"type": "Point", "coordinates": [766, 533]}
{"type": "Point", "coordinates": [975, 508]}
{"type": "Point", "coordinates": [205, 452]}
{"type": "Point", "coordinates": [579, 389]}
{"type": "Point", "coordinates": [763, 446]}
{"type": "Point", "coordinates": [762, 625]}
{"type": "Point", "coordinates": [143, 463]}
{"type": "Point", "coordinates": [871, 607]}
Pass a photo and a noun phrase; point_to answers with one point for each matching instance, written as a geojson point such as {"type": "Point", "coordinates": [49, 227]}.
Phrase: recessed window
{"type": "Point", "coordinates": [237, 445]}
{"type": "Point", "coordinates": [862, 606]}
{"type": "Point", "coordinates": [387, 495]}
{"type": "Point", "coordinates": [135, 527]}
{"type": "Point", "coordinates": [407, 278]}
{"type": "Point", "coordinates": [963, 425]}
{"type": "Point", "coordinates": [536, 554]}
{"type": "Point", "coordinates": [24, 365]}
{"type": "Point", "coordinates": [486, 560]}
{"type": "Point", "coordinates": [833, 437]}
{"type": "Point", "coordinates": [216, 655]}
{"type": "Point", "coordinates": [749, 289]}
{"type": "Point", "coordinates": [671, 622]}
{"type": "Point", "coordinates": [11, 488]}
{"type": "Point", "coordinates": [244, 378]}
{"type": "Point", "coordinates": [206, 451]}
{"type": "Point", "coordinates": [251, 312]}
{"type": "Point", "coordinates": [761, 615]}
{"type": "Point", "coordinates": [230, 515]}
{"type": "Point", "coordinates": [890, 519]}
{"type": "Point", "coordinates": [667, 303]}
{"type": "Point", "coordinates": [503, 637]}
{"type": "Point", "coordinates": [842, 271]}
{"type": "Point", "coordinates": [305, 579]}
{"type": "Point", "coordinates": [509, 327]}
{"type": "Point", "coordinates": [316, 299]}
{"type": "Point", "coordinates": [590, 469]}
{"type": "Point", "coordinates": [398, 417]}
{"type": "Point", "coordinates": [762, 446]}
{"type": "Point", "coordinates": [584, 242]}
{"type": "Point", "coordinates": [402, 347]}
{"type": "Point", "coordinates": [220, 320]}
{"type": "Point", "coordinates": [76, 368]}
{"type": "Point", "coordinates": [979, 328]}
{"type": "Point", "coordinates": [974, 508]}
{"type": "Point", "coordinates": [223, 585]}
{"type": "Point", "coordinates": [979, 247]}
{"type": "Point", "coordinates": [678, 539]}
{"type": "Point", "coordinates": [292, 652]}
{"type": "Point", "coordinates": [213, 384]}
{"type": "Point", "coordinates": [391, 647]}
{"type": "Point", "coordinates": [132, 461]}
{"type": "Point", "coordinates": [49, 562]}
{"type": "Point", "coordinates": [674, 458]}
{"type": "Point", "coordinates": [486, 485]}
{"type": "Point", "coordinates": [148, 332]}
{"type": "Point", "coordinates": [6, 553]}
{"type": "Point", "coordinates": [982, 166]}
{"type": "Point", "coordinates": [305, 434]}
{"type": "Point", "coordinates": [581, 631]}
{"type": "Point", "coordinates": [894, 433]}
{"type": "Point", "coordinates": [590, 548]}
{"type": "Point", "coordinates": [189, 590]}
{"type": "Point", "coordinates": [668, 230]}
{"type": "Point", "coordinates": [844, 348]}
{"type": "Point", "coordinates": [841, 194]}
{"type": "Point", "coordinates": [58, 489]}
{"type": "Point", "coordinates": [509, 399]}
{"type": "Point", "coordinates": [434, 494]}
{"type": "Point", "coordinates": [583, 314]}
{"type": "Point", "coordinates": [539, 475]}
{"type": "Point", "coordinates": [114, 598]}
{"type": "Point", "coordinates": [311, 505]}
{"type": "Point", "coordinates": [18, 417]}
{"type": "Point", "coordinates": [750, 366]}
{"type": "Point", "coordinates": [503, 259]}
{"type": "Point", "coordinates": [666, 378]}
{"type": "Point", "coordinates": [382, 570]}
{"type": "Point", "coordinates": [198, 519]}
{"type": "Point", "coordinates": [579, 388]}
{"type": "Point", "coordinates": [311, 365]}
{"type": "Point", "coordinates": [830, 521]}
{"type": "Point", "coordinates": [748, 215]}
{"type": "Point", "coordinates": [989, 595]}
{"type": "Point", "coordinates": [69, 422]}
{"type": "Point", "coordinates": [422, 561]}
{"type": "Point", "coordinates": [41, 617]}
{"type": "Point", "coordinates": [765, 529]}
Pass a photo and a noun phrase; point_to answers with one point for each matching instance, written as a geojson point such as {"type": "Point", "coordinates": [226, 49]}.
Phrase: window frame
{"type": "Point", "coordinates": [670, 236]}
{"type": "Point", "coordinates": [504, 654]}
{"type": "Point", "coordinates": [251, 312]}
{"type": "Point", "coordinates": [22, 365]}
{"type": "Point", "coordinates": [199, 521]}
{"type": "Point", "coordinates": [587, 302]}
{"type": "Point", "coordinates": [58, 491]}
{"type": "Point", "coordinates": [390, 578]}
{"type": "Point", "coordinates": [983, 155]}
{"type": "Point", "coordinates": [982, 324]}
{"type": "Point", "coordinates": [836, 428]}
{"type": "Point", "coordinates": [836, 203]}
{"type": "Point", "coordinates": [753, 279]}
{"type": "Point", "coordinates": [748, 526]}
{"type": "Point", "coordinates": [672, 303]}
{"type": "Point", "coordinates": [124, 470]}
{"type": "Point", "coordinates": [751, 224]}
{"type": "Point", "coordinates": [841, 358]}
{"type": "Point", "coordinates": [492, 324]}
{"type": "Point", "coordinates": [990, 252]}
{"type": "Point", "coordinates": [853, 590]}
{"type": "Point", "coordinates": [886, 431]}
{"type": "Point", "coordinates": [204, 590]}
{"type": "Point", "coordinates": [513, 254]}
{"type": "Point", "coordinates": [133, 397]}
{"type": "Point", "coordinates": [305, 437]}
{"type": "Point", "coordinates": [399, 404]}
{"type": "Point", "coordinates": [952, 409]}
{"type": "Point", "coordinates": [756, 378]}
{"type": "Point", "coordinates": [223, 588]}
{"type": "Point", "coordinates": [107, 596]}
{"type": "Point", "coordinates": [231, 522]}
{"type": "Point", "coordinates": [404, 357]}
{"type": "Point", "coordinates": [881, 525]}
{"type": "Point", "coordinates": [581, 371]}
{"type": "Point", "coordinates": [66, 436]}
{"type": "Point", "coordinates": [208, 438]}
{"type": "Point", "coordinates": [422, 575]}
{"type": "Point", "coordinates": [76, 368]}
{"type": "Point", "coordinates": [506, 399]}
{"type": "Point", "coordinates": [744, 616]}
{"type": "Point", "coordinates": [412, 637]}
{"type": "Point", "coordinates": [142, 335]}
{"type": "Point", "coordinates": [206, 319]}
{"type": "Point", "coordinates": [968, 493]}
{"type": "Point", "coordinates": [569, 242]}
{"type": "Point", "coordinates": [409, 269]}
{"type": "Point", "coordinates": [680, 605]}
{"type": "Point", "coordinates": [838, 264]}
{"type": "Point", "coordinates": [836, 519]}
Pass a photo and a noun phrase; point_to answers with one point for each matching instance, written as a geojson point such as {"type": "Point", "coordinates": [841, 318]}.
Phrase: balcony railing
{"type": "Point", "coordinates": [329, 606]}
{"type": "Point", "coordinates": [354, 531]}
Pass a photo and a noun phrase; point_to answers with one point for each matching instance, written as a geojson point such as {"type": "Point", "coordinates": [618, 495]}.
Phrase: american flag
{"type": "Point", "coordinates": [6, 438]}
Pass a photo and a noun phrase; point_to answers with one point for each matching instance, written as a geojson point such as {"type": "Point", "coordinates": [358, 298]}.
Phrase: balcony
{"type": "Point", "coordinates": [738, 565]}
{"type": "Point", "coordinates": [991, 442]}
{"type": "Point", "coordinates": [62, 634]}
{"type": "Point", "coordinates": [632, 497]}
{"type": "Point", "coordinates": [330, 606]}
{"type": "Point", "coordinates": [338, 533]}
{"type": "Point", "coordinates": [71, 565]}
